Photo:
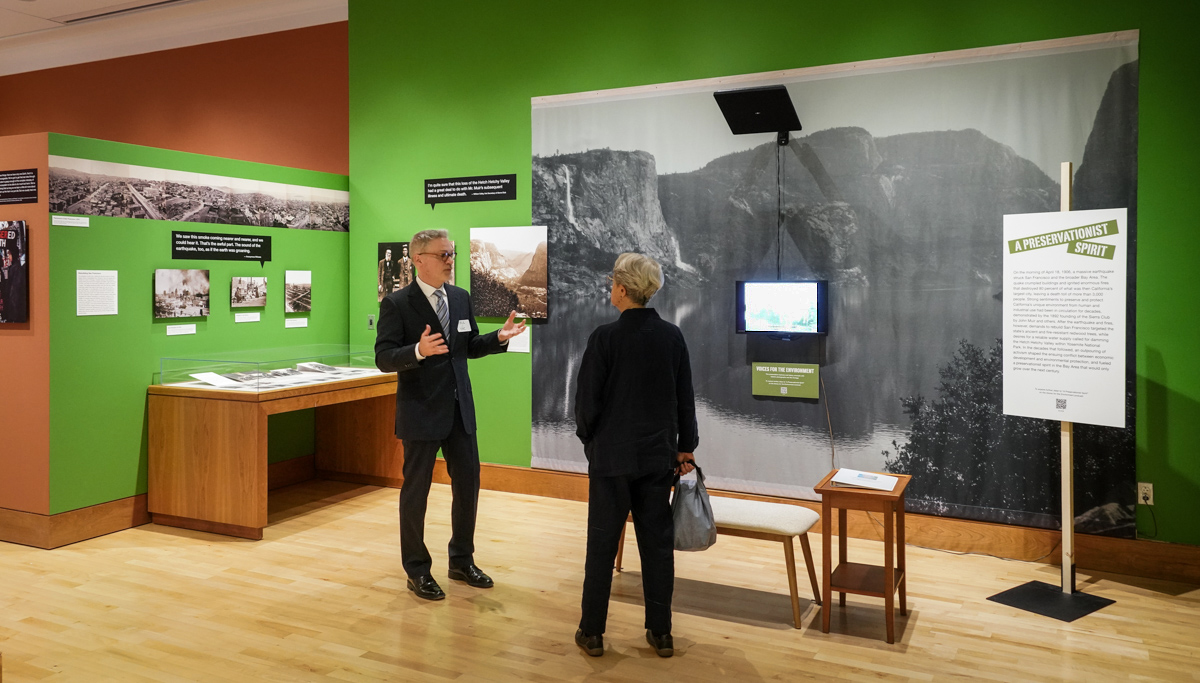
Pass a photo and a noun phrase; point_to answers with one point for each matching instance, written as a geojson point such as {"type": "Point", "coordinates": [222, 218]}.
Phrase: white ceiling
{"type": "Point", "coordinates": [42, 34]}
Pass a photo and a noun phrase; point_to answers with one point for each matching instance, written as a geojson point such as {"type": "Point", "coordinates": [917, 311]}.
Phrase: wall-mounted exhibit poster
{"type": "Point", "coordinates": [297, 285]}
{"type": "Point", "coordinates": [248, 292]}
{"type": "Point", "coordinates": [19, 186]}
{"type": "Point", "coordinates": [510, 272]}
{"type": "Point", "coordinates": [14, 272]}
{"type": "Point", "coordinates": [211, 246]}
{"type": "Point", "coordinates": [102, 188]}
{"type": "Point", "coordinates": [180, 293]}
{"type": "Point", "coordinates": [1064, 316]}
{"type": "Point", "coordinates": [894, 192]}
{"type": "Point", "coordinates": [481, 188]}
{"type": "Point", "coordinates": [95, 292]}
{"type": "Point", "coordinates": [786, 380]}
{"type": "Point", "coordinates": [395, 270]}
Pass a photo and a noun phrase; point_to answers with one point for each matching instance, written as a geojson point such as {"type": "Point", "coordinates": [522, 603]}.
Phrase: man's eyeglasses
{"type": "Point", "coordinates": [443, 255]}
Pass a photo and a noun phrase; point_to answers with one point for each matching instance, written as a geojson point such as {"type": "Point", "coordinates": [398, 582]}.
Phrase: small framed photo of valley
{"type": "Point", "coordinates": [297, 285]}
{"type": "Point", "coordinates": [509, 272]}
{"type": "Point", "coordinates": [14, 272]}
{"type": "Point", "coordinates": [395, 270]}
{"type": "Point", "coordinates": [180, 293]}
{"type": "Point", "coordinates": [248, 292]}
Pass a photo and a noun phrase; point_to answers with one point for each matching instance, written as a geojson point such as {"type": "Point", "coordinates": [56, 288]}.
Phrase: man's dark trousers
{"type": "Point", "coordinates": [610, 501]}
{"type": "Point", "coordinates": [461, 451]}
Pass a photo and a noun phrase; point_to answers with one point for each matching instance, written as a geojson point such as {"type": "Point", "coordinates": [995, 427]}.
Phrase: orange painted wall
{"type": "Point", "coordinates": [279, 98]}
{"type": "Point", "coordinates": [25, 348]}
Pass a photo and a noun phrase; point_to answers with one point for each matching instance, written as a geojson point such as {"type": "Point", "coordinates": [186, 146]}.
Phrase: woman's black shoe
{"type": "Point", "coordinates": [663, 645]}
{"type": "Point", "coordinates": [593, 645]}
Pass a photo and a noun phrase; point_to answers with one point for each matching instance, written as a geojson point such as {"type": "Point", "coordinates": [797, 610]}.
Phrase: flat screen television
{"type": "Point", "coordinates": [783, 309]}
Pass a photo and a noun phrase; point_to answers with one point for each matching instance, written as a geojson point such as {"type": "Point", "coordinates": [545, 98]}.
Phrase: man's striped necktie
{"type": "Point", "coordinates": [443, 314]}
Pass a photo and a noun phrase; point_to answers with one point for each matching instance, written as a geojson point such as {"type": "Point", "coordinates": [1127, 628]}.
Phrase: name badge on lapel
{"type": "Point", "coordinates": [464, 325]}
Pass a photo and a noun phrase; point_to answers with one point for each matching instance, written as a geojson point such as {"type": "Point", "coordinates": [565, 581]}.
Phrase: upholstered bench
{"type": "Point", "coordinates": [768, 522]}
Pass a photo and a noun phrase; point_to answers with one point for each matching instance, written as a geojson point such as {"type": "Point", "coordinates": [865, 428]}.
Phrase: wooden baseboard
{"type": "Point", "coordinates": [288, 472]}
{"type": "Point", "coordinates": [236, 530]}
{"type": "Point", "coordinates": [1148, 559]}
{"type": "Point", "coordinates": [65, 528]}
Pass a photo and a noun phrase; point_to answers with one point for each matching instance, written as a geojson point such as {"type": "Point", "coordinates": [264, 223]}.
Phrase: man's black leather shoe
{"type": "Point", "coordinates": [663, 645]}
{"type": "Point", "coordinates": [472, 575]}
{"type": "Point", "coordinates": [593, 645]}
{"type": "Point", "coordinates": [425, 587]}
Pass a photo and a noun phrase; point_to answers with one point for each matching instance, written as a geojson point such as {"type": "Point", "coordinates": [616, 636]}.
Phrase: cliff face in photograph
{"type": "Point", "coordinates": [598, 204]}
{"type": "Point", "coordinates": [536, 273]}
{"type": "Point", "coordinates": [919, 209]}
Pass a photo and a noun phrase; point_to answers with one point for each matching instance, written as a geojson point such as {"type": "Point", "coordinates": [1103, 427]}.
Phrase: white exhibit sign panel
{"type": "Point", "coordinates": [246, 317]}
{"type": "Point", "coordinates": [295, 322]}
{"type": "Point", "coordinates": [95, 292]}
{"type": "Point", "coordinates": [71, 221]}
{"type": "Point", "coordinates": [176, 330]}
{"type": "Point", "coordinates": [1064, 301]}
{"type": "Point", "coordinates": [521, 342]}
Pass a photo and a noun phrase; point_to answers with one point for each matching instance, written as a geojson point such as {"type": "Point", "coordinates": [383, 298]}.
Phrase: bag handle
{"type": "Point", "coordinates": [699, 473]}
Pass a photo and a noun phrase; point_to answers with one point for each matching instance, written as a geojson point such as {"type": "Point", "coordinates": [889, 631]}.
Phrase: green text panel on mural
{"type": "Point", "coordinates": [434, 104]}
{"type": "Point", "coordinates": [101, 366]}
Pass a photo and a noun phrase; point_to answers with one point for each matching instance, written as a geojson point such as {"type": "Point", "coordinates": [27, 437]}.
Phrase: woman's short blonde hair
{"type": "Point", "coordinates": [639, 274]}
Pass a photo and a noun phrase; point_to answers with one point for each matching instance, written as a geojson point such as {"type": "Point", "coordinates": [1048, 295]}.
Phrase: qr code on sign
{"type": "Point", "coordinates": [1060, 403]}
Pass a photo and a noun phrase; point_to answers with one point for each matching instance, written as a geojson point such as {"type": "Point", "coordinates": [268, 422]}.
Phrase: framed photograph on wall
{"type": "Point", "coordinates": [248, 292]}
{"type": "Point", "coordinates": [395, 270]}
{"type": "Point", "coordinates": [297, 286]}
{"type": "Point", "coordinates": [180, 293]}
{"type": "Point", "coordinates": [509, 272]}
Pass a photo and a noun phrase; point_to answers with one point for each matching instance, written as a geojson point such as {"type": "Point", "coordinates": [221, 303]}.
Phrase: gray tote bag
{"type": "Point", "coordinates": [694, 525]}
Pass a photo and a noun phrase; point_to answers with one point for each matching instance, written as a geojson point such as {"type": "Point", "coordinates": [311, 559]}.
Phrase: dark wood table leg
{"type": "Point", "coordinates": [889, 577]}
{"type": "Point", "coordinates": [841, 548]}
{"type": "Point", "coordinates": [826, 563]}
{"type": "Point", "coordinates": [900, 557]}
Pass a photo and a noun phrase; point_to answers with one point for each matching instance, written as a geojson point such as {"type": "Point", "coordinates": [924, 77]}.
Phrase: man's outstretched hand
{"type": "Point", "coordinates": [431, 344]}
{"type": "Point", "coordinates": [510, 328]}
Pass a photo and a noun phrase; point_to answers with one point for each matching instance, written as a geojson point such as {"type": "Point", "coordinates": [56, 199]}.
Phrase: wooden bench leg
{"type": "Point", "coordinates": [621, 547]}
{"type": "Point", "coordinates": [789, 555]}
{"type": "Point", "coordinates": [812, 571]}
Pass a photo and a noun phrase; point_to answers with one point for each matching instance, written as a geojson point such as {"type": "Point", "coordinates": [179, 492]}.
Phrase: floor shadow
{"type": "Point", "coordinates": [718, 601]}
{"type": "Point", "coordinates": [864, 620]}
{"type": "Point", "coordinates": [1090, 578]}
{"type": "Point", "coordinates": [309, 496]}
{"type": "Point", "coordinates": [187, 533]}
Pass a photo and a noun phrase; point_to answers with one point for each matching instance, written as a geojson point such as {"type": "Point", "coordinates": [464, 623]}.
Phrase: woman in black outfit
{"type": "Point", "coordinates": [636, 416]}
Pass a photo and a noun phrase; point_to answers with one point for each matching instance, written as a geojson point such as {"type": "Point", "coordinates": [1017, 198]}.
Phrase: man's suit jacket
{"type": "Point", "coordinates": [425, 390]}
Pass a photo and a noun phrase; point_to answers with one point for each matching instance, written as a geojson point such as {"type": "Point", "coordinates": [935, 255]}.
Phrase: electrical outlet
{"type": "Point", "coordinates": [1145, 493]}
{"type": "Point", "coordinates": [370, 322]}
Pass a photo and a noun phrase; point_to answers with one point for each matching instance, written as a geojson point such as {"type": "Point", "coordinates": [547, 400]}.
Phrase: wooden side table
{"type": "Point", "coordinates": [853, 577]}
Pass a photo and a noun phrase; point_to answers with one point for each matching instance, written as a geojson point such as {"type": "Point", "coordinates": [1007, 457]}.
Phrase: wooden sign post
{"type": "Point", "coordinates": [1067, 438]}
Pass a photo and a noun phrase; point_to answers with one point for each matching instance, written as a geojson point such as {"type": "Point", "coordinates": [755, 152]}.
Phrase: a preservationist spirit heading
{"type": "Point", "coordinates": [1076, 240]}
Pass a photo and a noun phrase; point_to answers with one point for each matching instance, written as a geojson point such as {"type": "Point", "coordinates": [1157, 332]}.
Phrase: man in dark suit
{"type": "Point", "coordinates": [426, 333]}
{"type": "Point", "coordinates": [635, 413]}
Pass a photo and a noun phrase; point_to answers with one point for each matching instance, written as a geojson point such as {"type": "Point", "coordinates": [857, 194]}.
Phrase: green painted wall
{"type": "Point", "coordinates": [442, 89]}
{"type": "Point", "coordinates": [102, 365]}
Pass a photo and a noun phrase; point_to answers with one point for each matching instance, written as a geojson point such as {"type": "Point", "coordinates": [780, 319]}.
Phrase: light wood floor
{"type": "Point", "coordinates": [322, 597]}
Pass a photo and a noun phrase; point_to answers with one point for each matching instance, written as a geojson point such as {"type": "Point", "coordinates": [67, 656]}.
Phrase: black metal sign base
{"type": "Point", "coordinates": [1050, 601]}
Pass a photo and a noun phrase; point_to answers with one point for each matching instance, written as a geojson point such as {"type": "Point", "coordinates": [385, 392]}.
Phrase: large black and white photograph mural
{"type": "Point", "coordinates": [894, 192]}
